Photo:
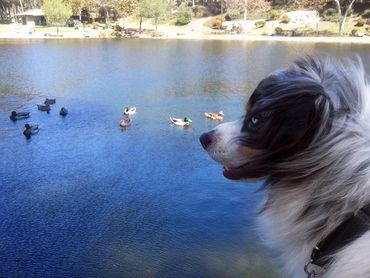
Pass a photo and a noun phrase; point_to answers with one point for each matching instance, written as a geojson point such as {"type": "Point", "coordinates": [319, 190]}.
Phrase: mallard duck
{"type": "Point", "coordinates": [30, 130]}
{"type": "Point", "coordinates": [45, 107]}
{"type": "Point", "coordinates": [19, 116]}
{"type": "Point", "coordinates": [129, 111]}
{"type": "Point", "coordinates": [181, 122]}
{"type": "Point", "coordinates": [63, 111]}
{"type": "Point", "coordinates": [125, 122]}
{"type": "Point", "coordinates": [215, 116]}
{"type": "Point", "coordinates": [49, 101]}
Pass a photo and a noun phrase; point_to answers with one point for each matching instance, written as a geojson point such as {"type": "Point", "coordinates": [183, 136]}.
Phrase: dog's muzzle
{"type": "Point", "coordinates": [206, 139]}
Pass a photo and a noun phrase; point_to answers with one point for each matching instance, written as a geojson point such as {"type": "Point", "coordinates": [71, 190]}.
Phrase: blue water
{"type": "Point", "coordinates": [84, 198]}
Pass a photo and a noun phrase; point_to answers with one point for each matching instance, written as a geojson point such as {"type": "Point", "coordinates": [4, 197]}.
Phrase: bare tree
{"type": "Point", "coordinates": [342, 17]}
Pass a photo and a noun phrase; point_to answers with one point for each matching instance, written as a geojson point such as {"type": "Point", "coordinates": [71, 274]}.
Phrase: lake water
{"type": "Point", "coordinates": [85, 199]}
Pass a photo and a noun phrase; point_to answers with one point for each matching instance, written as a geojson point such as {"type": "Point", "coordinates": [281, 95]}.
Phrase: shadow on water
{"type": "Point", "coordinates": [84, 199]}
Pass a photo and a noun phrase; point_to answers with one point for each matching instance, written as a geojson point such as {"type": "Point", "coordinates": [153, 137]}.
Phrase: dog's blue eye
{"type": "Point", "coordinates": [254, 120]}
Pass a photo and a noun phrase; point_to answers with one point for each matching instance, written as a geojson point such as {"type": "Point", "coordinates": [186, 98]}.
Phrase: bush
{"type": "Point", "coordinates": [285, 19]}
{"type": "Point", "coordinates": [356, 33]}
{"type": "Point", "coordinates": [5, 20]}
{"type": "Point", "coordinates": [232, 14]}
{"type": "Point", "coordinates": [330, 12]}
{"type": "Point", "coordinates": [157, 34]}
{"type": "Point", "coordinates": [95, 25]}
{"type": "Point", "coordinates": [260, 23]}
{"type": "Point", "coordinates": [278, 31]}
{"type": "Point", "coordinates": [361, 22]}
{"type": "Point", "coordinates": [217, 22]}
{"type": "Point", "coordinates": [183, 18]}
{"type": "Point", "coordinates": [366, 13]}
{"type": "Point", "coordinates": [198, 11]}
{"type": "Point", "coordinates": [237, 29]}
{"type": "Point", "coordinates": [331, 15]}
{"type": "Point", "coordinates": [274, 15]}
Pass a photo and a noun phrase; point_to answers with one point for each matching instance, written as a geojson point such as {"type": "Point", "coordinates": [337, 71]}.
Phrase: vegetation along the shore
{"type": "Point", "coordinates": [157, 18]}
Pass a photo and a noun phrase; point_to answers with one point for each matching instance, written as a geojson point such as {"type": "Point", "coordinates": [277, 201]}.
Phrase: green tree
{"type": "Point", "coordinates": [126, 8]}
{"type": "Point", "coordinates": [141, 12]}
{"type": "Point", "coordinates": [79, 5]}
{"type": "Point", "coordinates": [155, 9]}
{"type": "Point", "coordinates": [56, 12]}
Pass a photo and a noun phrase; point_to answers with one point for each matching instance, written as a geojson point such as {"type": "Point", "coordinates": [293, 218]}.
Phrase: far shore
{"type": "Point", "coordinates": [193, 31]}
{"type": "Point", "coordinates": [184, 36]}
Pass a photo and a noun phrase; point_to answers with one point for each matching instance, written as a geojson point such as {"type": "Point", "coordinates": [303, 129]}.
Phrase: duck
{"type": "Point", "coordinates": [30, 130]}
{"type": "Point", "coordinates": [14, 116]}
{"type": "Point", "coordinates": [215, 116]}
{"type": "Point", "coordinates": [49, 101]}
{"type": "Point", "coordinates": [181, 122]}
{"type": "Point", "coordinates": [129, 110]}
{"type": "Point", "coordinates": [125, 122]}
{"type": "Point", "coordinates": [45, 107]}
{"type": "Point", "coordinates": [63, 111]}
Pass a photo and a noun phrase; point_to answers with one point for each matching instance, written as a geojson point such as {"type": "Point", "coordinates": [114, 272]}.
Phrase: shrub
{"type": "Point", "coordinates": [217, 22]}
{"type": "Point", "coordinates": [331, 15]}
{"type": "Point", "coordinates": [5, 20]}
{"type": "Point", "coordinates": [356, 33]}
{"type": "Point", "coordinates": [183, 18]}
{"type": "Point", "coordinates": [278, 31]}
{"type": "Point", "coordinates": [232, 14]}
{"type": "Point", "coordinates": [260, 23]}
{"type": "Point", "coordinates": [285, 19]}
{"type": "Point", "coordinates": [330, 12]}
{"type": "Point", "coordinates": [237, 29]}
{"type": "Point", "coordinates": [95, 25]}
{"type": "Point", "coordinates": [366, 13]}
{"type": "Point", "coordinates": [157, 34]}
{"type": "Point", "coordinates": [361, 22]}
{"type": "Point", "coordinates": [198, 11]}
{"type": "Point", "coordinates": [274, 15]}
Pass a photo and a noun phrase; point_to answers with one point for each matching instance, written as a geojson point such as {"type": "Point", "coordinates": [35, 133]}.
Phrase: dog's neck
{"type": "Point", "coordinates": [300, 211]}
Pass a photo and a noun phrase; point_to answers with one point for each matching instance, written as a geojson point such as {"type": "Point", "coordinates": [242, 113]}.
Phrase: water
{"type": "Point", "coordinates": [84, 198]}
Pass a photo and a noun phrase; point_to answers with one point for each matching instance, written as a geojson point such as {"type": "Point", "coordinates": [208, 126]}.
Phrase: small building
{"type": "Point", "coordinates": [32, 18]}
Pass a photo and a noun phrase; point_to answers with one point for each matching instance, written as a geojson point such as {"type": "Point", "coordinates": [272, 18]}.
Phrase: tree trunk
{"type": "Point", "coordinates": [222, 6]}
{"type": "Point", "coordinates": [80, 15]}
{"type": "Point", "coordinates": [342, 19]}
{"type": "Point", "coordinates": [245, 9]}
{"type": "Point", "coordinates": [57, 30]}
{"type": "Point", "coordinates": [193, 3]}
{"type": "Point", "coordinates": [140, 23]}
{"type": "Point", "coordinates": [20, 2]}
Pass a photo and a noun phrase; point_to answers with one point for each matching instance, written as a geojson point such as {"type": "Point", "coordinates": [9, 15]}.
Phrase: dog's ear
{"type": "Point", "coordinates": [298, 110]}
{"type": "Point", "coordinates": [344, 81]}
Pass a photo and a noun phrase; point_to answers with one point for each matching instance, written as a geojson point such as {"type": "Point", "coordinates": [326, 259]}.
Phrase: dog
{"type": "Point", "coordinates": [306, 134]}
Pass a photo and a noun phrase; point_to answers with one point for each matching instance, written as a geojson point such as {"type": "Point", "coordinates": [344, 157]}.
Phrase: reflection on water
{"type": "Point", "coordinates": [84, 199]}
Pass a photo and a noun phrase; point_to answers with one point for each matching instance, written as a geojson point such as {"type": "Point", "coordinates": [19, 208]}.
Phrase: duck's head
{"type": "Point", "coordinates": [27, 126]}
{"type": "Point", "coordinates": [187, 120]}
{"type": "Point", "coordinates": [14, 113]}
{"type": "Point", "coordinates": [221, 113]}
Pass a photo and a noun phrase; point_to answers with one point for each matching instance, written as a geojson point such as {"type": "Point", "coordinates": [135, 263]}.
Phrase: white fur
{"type": "Point", "coordinates": [333, 174]}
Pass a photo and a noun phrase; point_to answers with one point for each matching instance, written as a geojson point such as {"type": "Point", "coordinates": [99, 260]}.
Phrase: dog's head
{"type": "Point", "coordinates": [290, 111]}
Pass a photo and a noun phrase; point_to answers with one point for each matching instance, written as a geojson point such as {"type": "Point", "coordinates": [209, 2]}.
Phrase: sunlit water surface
{"type": "Point", "coordinates": [84, 198]}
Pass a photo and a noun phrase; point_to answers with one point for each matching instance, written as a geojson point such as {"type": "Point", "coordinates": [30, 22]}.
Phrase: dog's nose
{"type": "Point", "coordinates": [206, 139]}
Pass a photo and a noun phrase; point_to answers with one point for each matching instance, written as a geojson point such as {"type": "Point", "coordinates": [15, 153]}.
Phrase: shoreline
{"type": "Point", "coordinates": [218, 37]}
